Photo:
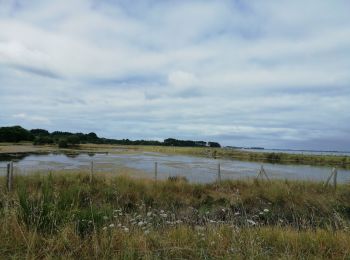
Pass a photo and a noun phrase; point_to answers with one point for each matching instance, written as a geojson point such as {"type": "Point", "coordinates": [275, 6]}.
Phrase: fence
{"type": "Point", "coordinates": [192, 171]}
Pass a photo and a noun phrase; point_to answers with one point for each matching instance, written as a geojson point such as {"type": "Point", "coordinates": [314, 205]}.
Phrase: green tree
{"type": "Point", "coordinates": [15, 134]}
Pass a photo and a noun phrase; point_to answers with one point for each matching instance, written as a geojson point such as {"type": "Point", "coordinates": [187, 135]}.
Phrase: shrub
{"type": "Point", "coordinates": [62, 143]}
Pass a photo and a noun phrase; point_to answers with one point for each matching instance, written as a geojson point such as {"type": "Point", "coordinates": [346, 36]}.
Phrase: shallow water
{"type": "Point", "coordinates": [195, 169]}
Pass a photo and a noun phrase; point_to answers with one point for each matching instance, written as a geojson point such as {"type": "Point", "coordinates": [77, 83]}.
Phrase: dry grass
{"type": "Point", "coordinates": [64, 215]}
{"type": "Point", "coordinates": [180, 242]}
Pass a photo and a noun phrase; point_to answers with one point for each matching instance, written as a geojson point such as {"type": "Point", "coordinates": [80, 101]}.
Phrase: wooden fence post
{"type": "Point", "coordinates": [91, 170]}
{"type": "Point", "coordinates": [219, 173]}
{"type": "Point", "coordinates": [9, 176]}
{"type": "Point", "coordinates": [155, 171]}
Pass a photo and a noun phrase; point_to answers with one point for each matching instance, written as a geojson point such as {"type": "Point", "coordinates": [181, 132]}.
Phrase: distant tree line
{"type": "Point", "coordinates": [67, 139]}
{"type": "Point", "coordinates": [189, 143]}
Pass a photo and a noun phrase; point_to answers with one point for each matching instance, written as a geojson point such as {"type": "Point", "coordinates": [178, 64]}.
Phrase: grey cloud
{"type": "Point", "coordinates": [38, 71]}
{"type": "Point", "coordinates": [242, 73]}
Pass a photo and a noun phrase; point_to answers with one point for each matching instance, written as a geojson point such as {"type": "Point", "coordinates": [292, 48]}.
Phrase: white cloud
{"type": "Point", "coordinates": [181, 79]}
{"type": "Point", "coordinates": [32, 118]}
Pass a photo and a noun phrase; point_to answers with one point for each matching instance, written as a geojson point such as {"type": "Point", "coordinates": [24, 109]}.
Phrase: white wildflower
{"type": "Point", "coordinates": [252, 222]}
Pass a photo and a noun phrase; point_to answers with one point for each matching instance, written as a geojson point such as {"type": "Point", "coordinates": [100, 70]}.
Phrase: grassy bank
{"type": "Point", "coordinates": [282, 158]}
{"type": "Point", "coordinates": [66, 216]}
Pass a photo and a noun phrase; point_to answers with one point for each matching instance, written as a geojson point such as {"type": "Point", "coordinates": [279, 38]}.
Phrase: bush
{"type": "Point", "coordinates": [42, 140]}
{"type": "Point", "coordinates": [73, 140]}
{"type": "Point", "coordinates": [62, 143]}
{"type": "Point", "coordinates": [273, 157]}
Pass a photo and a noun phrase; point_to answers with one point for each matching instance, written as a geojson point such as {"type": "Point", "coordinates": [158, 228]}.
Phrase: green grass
{"type": "Point", "coordinates": [64, 215]}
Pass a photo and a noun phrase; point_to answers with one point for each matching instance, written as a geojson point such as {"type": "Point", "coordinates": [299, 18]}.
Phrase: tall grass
{"type": "Point", "coordinates": [64, 215]}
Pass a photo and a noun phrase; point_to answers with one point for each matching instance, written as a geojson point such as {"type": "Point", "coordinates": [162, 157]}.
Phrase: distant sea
{"type": "Point", "coordinates": [337, 153]}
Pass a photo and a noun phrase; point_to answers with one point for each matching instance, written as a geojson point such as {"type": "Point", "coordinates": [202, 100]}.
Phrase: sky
{"type": "Point", "coordinates": [272, 73]}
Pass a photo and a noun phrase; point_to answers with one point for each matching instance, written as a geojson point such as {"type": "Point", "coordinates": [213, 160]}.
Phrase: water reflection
{"type": "Point", "coordinates": [195, 169]}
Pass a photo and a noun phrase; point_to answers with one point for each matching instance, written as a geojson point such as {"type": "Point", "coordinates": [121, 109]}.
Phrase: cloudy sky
{"type": "Point", "coordinates": [247, 73]}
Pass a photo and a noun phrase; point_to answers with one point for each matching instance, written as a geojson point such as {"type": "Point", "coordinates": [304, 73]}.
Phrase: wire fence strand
{"type": "Point", "coordinates": [196, 170]}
